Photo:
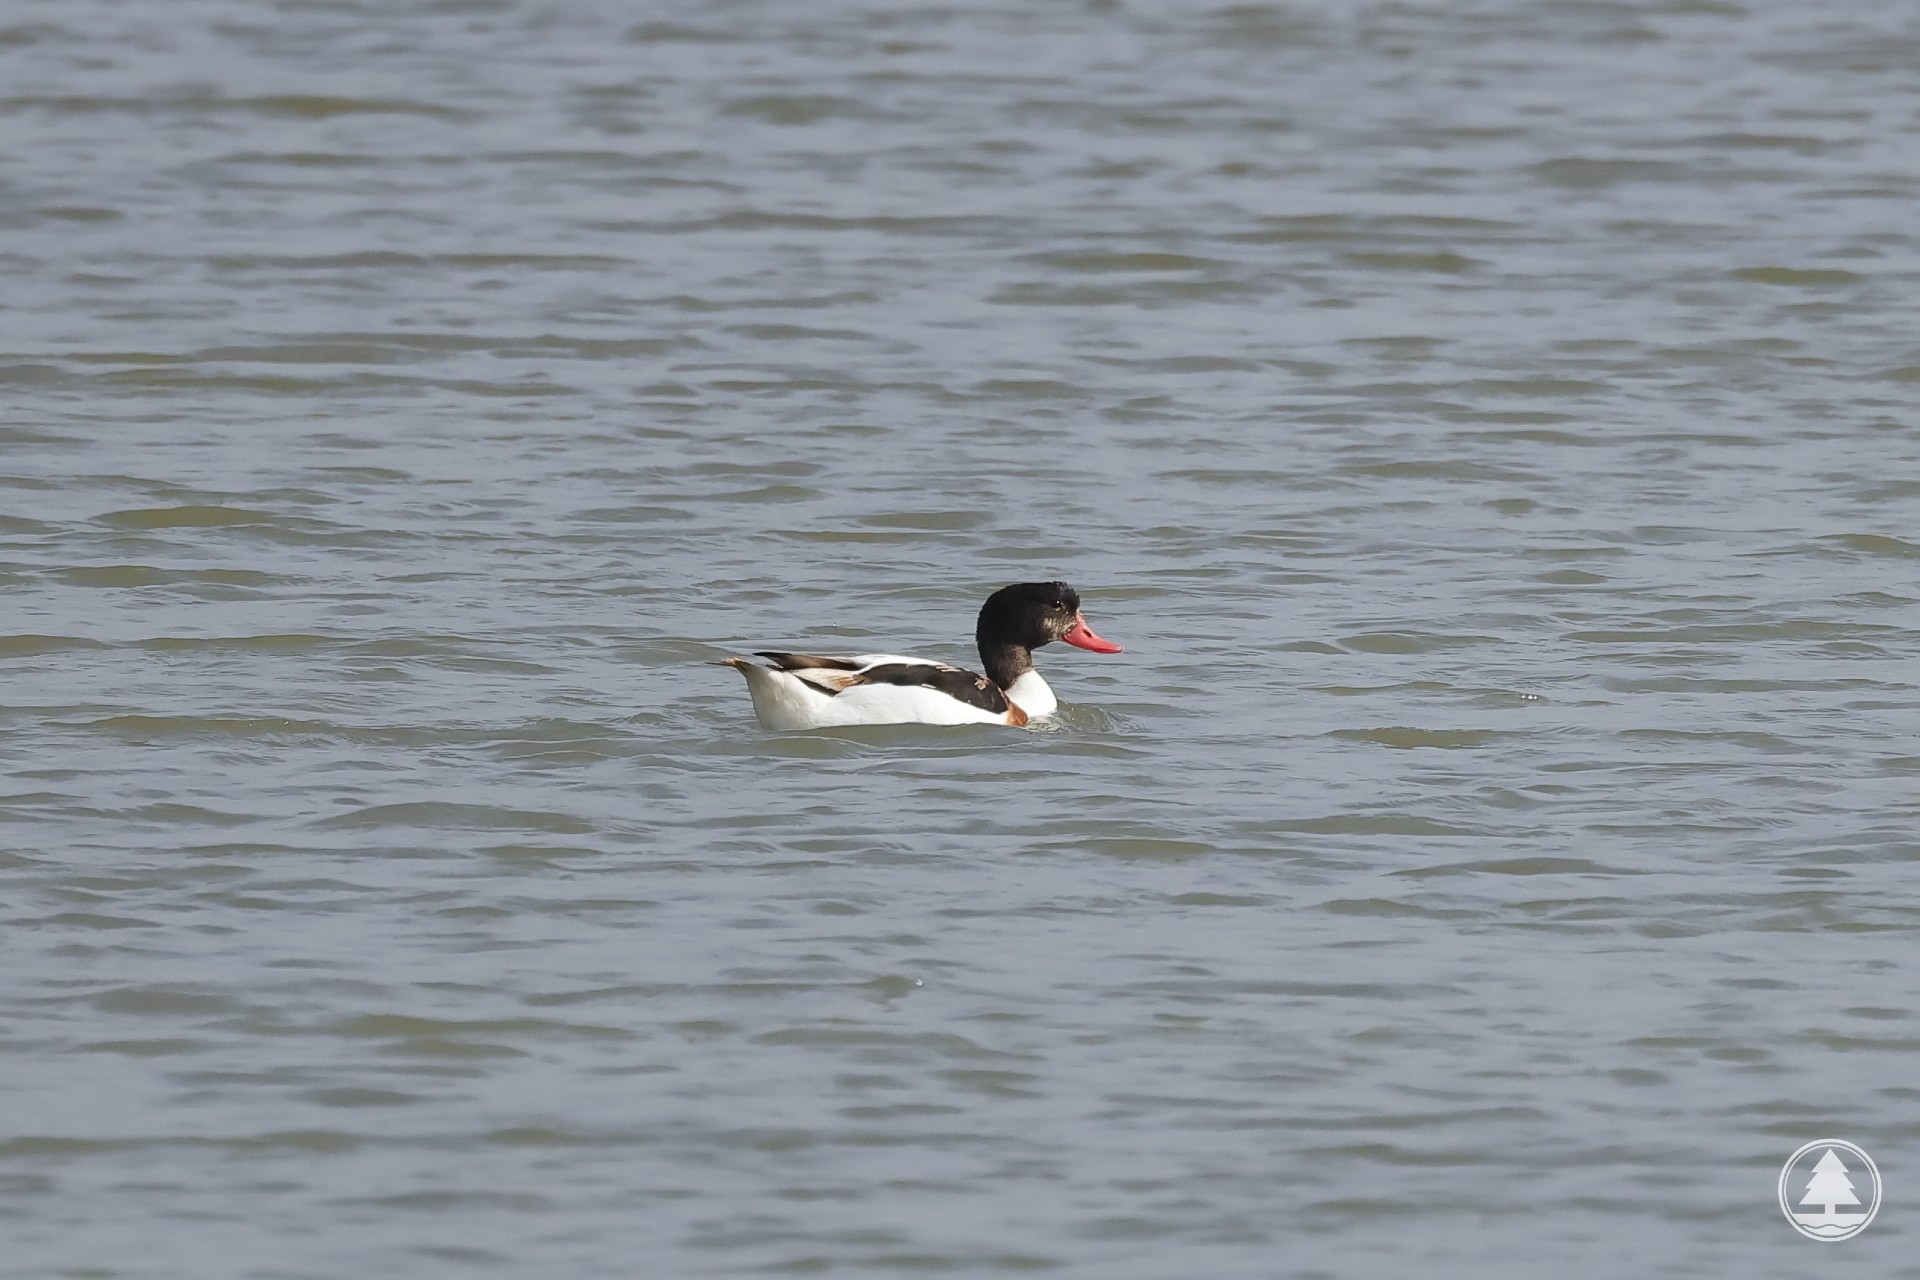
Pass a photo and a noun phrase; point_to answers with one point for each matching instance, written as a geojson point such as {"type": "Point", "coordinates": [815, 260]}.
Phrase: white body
{"type": "Point", "coordinates": [804, 700]}
{"type": "Point", "coordinates": [1033, 695]}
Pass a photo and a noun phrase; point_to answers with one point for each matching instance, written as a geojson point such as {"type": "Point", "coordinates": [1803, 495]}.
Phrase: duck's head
{"type": "Point", "coordinates": [1029, 614]}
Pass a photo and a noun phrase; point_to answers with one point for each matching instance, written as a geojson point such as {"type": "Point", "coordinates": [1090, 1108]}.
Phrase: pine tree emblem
{"type": "Point", "coordinates": [1827, 1187]}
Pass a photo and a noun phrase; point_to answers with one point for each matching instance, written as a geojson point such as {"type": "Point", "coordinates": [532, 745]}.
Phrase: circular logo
{"type": "Point", "coordinates": [1821, 1190]}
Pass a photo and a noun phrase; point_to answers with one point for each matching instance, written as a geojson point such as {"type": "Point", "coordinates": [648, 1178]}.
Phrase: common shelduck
{"type": "Point", "coordinates": [809, 691]}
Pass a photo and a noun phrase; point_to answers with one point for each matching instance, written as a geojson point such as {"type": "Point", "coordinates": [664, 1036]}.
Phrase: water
{"type": "Point", "coordinates": [1488, 426]}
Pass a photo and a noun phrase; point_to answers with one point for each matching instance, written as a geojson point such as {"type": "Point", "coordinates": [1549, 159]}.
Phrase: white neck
{"type": "Point", "coordinates": [1031, 694]}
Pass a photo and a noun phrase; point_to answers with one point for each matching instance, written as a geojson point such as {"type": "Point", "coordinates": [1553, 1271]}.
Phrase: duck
{"type": "Point", "coordinates": [818, 691]}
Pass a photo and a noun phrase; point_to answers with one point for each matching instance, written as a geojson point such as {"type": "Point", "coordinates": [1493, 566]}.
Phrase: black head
{"type": "Point", "coordinates": [1018, 619]}
{"type": "Point", "coordinates": [1027, 615]}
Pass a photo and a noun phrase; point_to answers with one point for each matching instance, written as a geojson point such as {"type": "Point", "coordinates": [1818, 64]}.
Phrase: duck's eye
{"type": "Point", "coordinates": [1056, 605]}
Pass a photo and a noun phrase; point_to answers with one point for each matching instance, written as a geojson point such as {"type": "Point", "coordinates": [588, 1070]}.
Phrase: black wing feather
{"type": "Point", "coordinates": [975, 691]}
{"type": "Point", "coordinates": [806, 661]}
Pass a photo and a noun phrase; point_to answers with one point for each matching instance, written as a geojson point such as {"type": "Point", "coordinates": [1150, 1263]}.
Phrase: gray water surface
{"type": "Point", "coordinates": [1489, 427]}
